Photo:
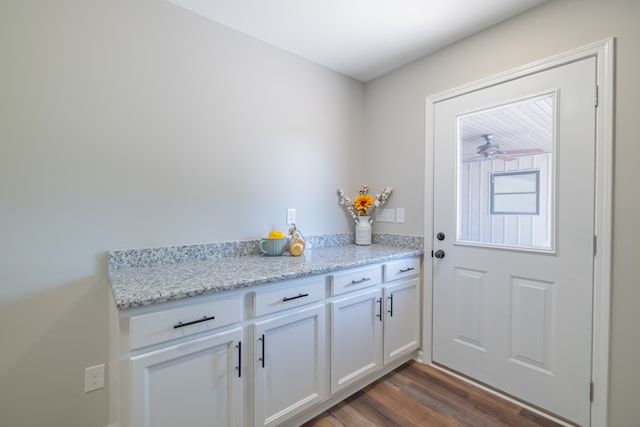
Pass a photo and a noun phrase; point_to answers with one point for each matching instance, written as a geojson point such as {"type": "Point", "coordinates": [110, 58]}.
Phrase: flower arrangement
{"type": "Point", "coordinates": [363, 201]}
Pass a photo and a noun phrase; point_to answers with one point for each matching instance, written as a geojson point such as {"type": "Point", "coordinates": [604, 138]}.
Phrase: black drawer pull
{"type": "Point", "coordinates": [357, 282]}
{"type": "Point", "coordinates": [285, 299]}
{"type": "Point", "coordinates": [404, 270]}
{"type": "Point", "coordinates": [193, 322]}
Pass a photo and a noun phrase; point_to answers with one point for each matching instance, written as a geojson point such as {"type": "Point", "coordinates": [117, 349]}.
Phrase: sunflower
{"type": "Point", "coordinates": [362, 203]}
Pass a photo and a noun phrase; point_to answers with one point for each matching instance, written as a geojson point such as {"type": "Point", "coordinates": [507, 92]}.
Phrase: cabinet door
{"type": "Point", "coordinates": [196, 383]}
{"type": "Point", "coordinates": [356, 333]}
{"type": "Point", "coordinates": [402, 319]}
{"type": "Point", "coordinates": [289, 364]}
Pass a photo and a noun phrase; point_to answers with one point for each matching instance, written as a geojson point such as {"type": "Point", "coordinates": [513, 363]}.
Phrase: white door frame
{"type": "Point", "coordinates": [603, 51]}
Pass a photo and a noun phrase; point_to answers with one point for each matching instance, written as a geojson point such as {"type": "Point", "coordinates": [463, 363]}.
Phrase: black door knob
{"type": "Point", "coordinates": [440, 236]}
{"type": "Point", "coordinates": [439, 253]}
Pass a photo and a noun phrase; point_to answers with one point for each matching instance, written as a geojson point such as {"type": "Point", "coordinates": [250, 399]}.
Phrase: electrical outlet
{"type": "Point", "coordinates": [291, 216]}
{"type": "Point", "coordinates": [93, 378]}
{"type": "Point", "coordinates": [400, 215]}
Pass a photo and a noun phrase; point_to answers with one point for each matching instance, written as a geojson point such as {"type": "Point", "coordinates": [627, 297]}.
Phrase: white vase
{"type": "Point", "coordinates": [363, 231]}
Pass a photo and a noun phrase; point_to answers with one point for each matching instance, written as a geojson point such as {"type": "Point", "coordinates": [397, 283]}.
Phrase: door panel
{"type": "Point", "coordinates": [356, 337]}
{"type": "Point", "coordinates": [470, 286]}
{"type": "Point", "coordinates": [402, 319]}
{"type": "Point", "coordinates": [512, 293]}
{"type": "Point", "coordinates": [289, 364]}
{"type": "Point", "coordinates": [196, 382]}
{"type": "Point", "coordinates": [532, 322]}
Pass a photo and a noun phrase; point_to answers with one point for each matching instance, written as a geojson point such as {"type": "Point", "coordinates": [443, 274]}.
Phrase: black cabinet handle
{"type": "Point", "coordinates": [357, 282]}
{"type": "Point", "coordinates": [285, 299]}
{"type": "Point", "coordinates": [379, 315]}
{"type": "Point", "coordinates": [404, 270]}
{"type": "Point", "coordinates": [239, 347]}
{"type": "Point", "coordinates": [390, 311]}
{"type": "Point", "coordinates": [262, 358]}
{"type": "Point", "coordinates": [193, 322]}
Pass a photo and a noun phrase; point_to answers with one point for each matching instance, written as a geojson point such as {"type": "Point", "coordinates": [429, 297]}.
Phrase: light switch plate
{"type": "Point", "coordinates": [400, 215]}
{"type": "Point", "coordinates": [385, 215]}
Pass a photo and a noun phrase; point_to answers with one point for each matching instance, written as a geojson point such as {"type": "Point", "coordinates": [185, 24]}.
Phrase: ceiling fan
{"type": "Point", "coordinates": [490, 150]}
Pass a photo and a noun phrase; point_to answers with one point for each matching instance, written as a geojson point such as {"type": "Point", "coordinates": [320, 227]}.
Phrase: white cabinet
{"type": "Point", "coordinates": [183, 321]}
{"type": "Point", "coordinates": [356, 337]}
{"type": "Point", "coordinates": [182, 364]}
{"type": "Point", "coordinates": [402, 308]}
{"type": "Point", "coordinates": [196, 383]}
{"type": "Point", "coordinates": [374, 326]}
{"type": "Point", "coordinates": [356, 279]}
{"type": "Point", "coordinates": [288, 296]}
{"type": "Point", "coordinates": [290, 364]}
{"type": "Point", "coordinates": [267, 355]}
{"type": "Point", "coordinates": [402, 319]}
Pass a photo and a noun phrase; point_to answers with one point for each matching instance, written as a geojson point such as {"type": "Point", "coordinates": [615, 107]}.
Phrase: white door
{"type": "Point", "coordinates": [513, 224]}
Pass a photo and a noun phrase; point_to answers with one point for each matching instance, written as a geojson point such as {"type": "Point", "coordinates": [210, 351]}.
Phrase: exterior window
{"type": "Point", "coordinates": [515, 193]}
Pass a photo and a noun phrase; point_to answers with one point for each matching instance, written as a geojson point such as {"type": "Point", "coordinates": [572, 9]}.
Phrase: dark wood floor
{"type": "Point", "coordinates": [420, 395]}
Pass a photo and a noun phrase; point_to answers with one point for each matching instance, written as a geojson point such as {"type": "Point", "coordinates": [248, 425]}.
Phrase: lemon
{"type": "Point", "coordinates": [275, 234]}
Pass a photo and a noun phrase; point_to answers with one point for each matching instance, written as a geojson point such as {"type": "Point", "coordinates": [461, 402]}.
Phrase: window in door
{"type": "Point", "coordinates": [506, 175]}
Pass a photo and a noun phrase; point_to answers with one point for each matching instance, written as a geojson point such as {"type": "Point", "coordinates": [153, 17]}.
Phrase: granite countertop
{"type": "Point", "coordinates": [137, 286]}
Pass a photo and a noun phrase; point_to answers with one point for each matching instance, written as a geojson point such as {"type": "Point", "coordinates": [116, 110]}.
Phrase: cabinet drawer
{"type": "Point", "coordinates": [355, 279]}
{"type": "Point", "coordinates": [156, 327]}
{"type": "Point", "coordinates": [401, 268]}
{"type": "Point", "coordinates": [289, 296]}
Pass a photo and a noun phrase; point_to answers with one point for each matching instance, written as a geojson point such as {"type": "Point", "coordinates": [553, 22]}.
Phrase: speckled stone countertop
{"type": "Point", "coordinates": [140, 283]}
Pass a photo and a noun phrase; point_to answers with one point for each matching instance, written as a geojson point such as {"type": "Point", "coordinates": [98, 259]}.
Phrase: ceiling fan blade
{"type": "Point", "coordinates": [504, 157]}
{"type": "Point", "coordinates": [524, 151]}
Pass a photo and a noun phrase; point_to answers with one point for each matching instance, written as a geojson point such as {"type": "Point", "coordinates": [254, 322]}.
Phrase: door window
{"type": "Point", "coordinates": [506, 175]}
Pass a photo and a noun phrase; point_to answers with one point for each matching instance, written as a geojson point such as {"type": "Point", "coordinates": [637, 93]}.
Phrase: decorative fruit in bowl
{"type": "Point", "coordinates": [275, 234]}
{"type": "Point", "coordinates": [274, 244]}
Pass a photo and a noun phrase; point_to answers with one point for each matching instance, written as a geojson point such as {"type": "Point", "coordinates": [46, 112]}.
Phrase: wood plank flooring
{"type": "Point", "coordinates": [420, 395]}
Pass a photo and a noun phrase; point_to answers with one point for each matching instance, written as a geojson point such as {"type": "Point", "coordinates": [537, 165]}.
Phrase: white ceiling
{"type": "Point", "coordinates": [516, 128]}
{"type": "Point", "coordinates": [363, 39]}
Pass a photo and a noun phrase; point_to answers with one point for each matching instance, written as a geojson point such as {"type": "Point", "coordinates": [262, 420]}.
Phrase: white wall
{"type": "Point", "coordinates": [478, 224]}
{"type": "Point", "coordinates": [395, 115]}
{"type": "Point", "coordinates": [135, 123]}
{"type": "Point", "coordinates": [138, 124]}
